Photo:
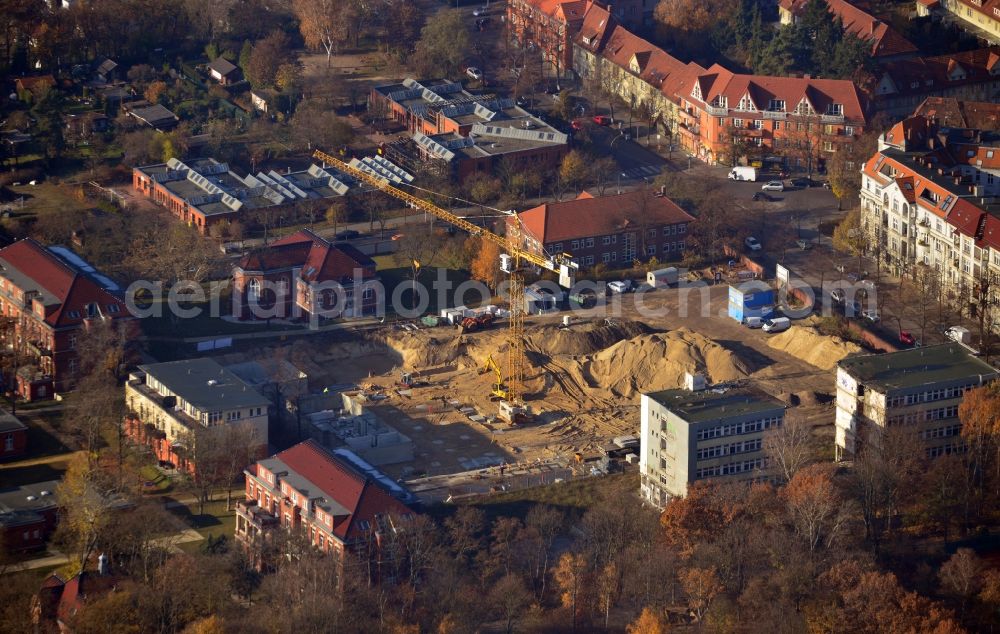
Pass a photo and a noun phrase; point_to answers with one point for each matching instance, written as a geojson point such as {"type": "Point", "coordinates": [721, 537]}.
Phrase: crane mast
{"type": "Point", "coordinates": [512, 262]}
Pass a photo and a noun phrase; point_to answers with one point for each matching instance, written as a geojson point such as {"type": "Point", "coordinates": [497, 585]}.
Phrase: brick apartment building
{"type": "Point", "coordinates": [292, 278]}
{"type": "Point", "coordinates": [51, 297]}
{"type": "Point", "coordinates": [928, 202]}
{"type": "Point", "coordinates": [902, 85]}
{"type": "Point", "coordinates": [551, 25]}
{"type": "Point", "coordinates": [13, 437]}
{"type": "Point", "coordinates": [714, 113]}
{"type": "Point", "coordinates": [611, 230]}
{"type": "Point", "coordinates": [28, 515]}
{"type": "Point", "coordinates": [887, 43]}
{"type": "Point", "coordinates": [205, 192]}
{"type": "Point", "coordinates": [342, 505]}
{"type": "Point", "coordinates": [175, 405]}
{"type": "Point", "coordinates": [459, 134]}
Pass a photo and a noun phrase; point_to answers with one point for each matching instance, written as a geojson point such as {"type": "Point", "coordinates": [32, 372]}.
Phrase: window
{"type": "Point", "coordinates": [682, 228]}
{"type": "Point", "coordinates": [368, 293]}
{"type": "Point", "coordinates": [849, 130]}
{"type": "Point", "coordinates": [72, 340]}
{"type": "Point", "coordinates": [606, 240]}
{"type": "Point", "coordinates": [758, 124]}
{"type": "Point", "coordinates": [8, 443]}
{"type": "Point", "coordinates": [253, 289]}
{"type": "Point", "coordinates": [828, 146]}
{"type": "Point", "coordinates": [737, 123]}
{"type": "Point", "coordinates": [590, 243]}
{"type": "Point", "coordinates": [589, 260]}
{"type": "Point", "coordinates": [777, 125]}
{"type": "Point", "coordinates": [605, 257]}
{"type": "Point", "coordinates": [651, 249]}
{"type": "Point", "coordinates": [777, 105]}
{"type": "Point", "coordinates": [666, 247]}
{"type": "Point", "coordinates": [575, 245]}
{"type": "Point", "coordinates": [836, 109]}
{"type": "Point", "coordinates": [112, 308]}
{"type": "Point", "coordinates": [557, 247]}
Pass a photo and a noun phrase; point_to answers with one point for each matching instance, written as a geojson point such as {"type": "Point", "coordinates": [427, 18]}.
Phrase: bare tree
{"type": "Point", "coordinates": [791, 446]}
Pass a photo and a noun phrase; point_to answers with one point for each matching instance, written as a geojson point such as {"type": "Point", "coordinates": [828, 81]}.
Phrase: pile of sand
{"type": "Point", "coordinates": [813, 347]}
{"type": "Point", "coordinates": [418, 350]}
{"type": "Point", "coordinates": [581, 338]}
{"type": "Point", "coordinates": [658, 361]}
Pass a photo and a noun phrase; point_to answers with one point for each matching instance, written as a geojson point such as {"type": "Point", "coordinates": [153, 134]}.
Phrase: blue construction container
{"type": "Point", "coordinates": [750, 300]}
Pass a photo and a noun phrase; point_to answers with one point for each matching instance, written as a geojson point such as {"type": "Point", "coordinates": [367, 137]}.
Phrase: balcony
{"type": "Point", "coordinates": [716, 111]}
{"type": "Point", "coordinates": [831, 118]}
{"type": "Point", "coordinates": [38, 349]}
{"type": "Point", "coordinates": [774, 114]}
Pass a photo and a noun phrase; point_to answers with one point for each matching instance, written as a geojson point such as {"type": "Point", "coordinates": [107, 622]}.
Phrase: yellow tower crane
{"type": "Point", "coordinates": [513, 262]}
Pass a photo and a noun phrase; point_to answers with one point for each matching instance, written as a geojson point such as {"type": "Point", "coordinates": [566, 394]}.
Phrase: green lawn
{"type": "Point", "coordinates": [574, 496]}
{"type": "Point", "coordinates": [393, 277]}
{"type": "Point", "coordinates": [216, 520]}
{"type": "Point", "coordinates": [202, 325]}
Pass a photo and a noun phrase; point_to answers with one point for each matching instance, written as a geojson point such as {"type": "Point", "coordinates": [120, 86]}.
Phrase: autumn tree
{"type": "Point", "coordinates": [325, 24]}
{"type": "Point", "coordinates": [961, 576]}
{"type": "Point", "coordinates": [702, 586]}
{"type": "Point", "coordinates": [648, 622]}
{"type": "Point", "coordinates": [315, 125]}
{"type": "Point", "coordinates": [509, 598]}
{"type": "Point", "coordinates": [155, 91]}
{"type": "Point", "coordinates": [444, 44]}
{"type": "Point", "coordinates": [266, 58]}
{"type": "Point", "coordinates": [573, 171]}
{"type": "Point", "coordinates": [86, 500]}
{"type": "Point", "coordinates": [844, 167]}
{"type": "Point", "coordinates": [572, 575]}
{"type": "Point", "coordinates": [979, 412]}
{"type": "Point", "coordinates": [816, 507]}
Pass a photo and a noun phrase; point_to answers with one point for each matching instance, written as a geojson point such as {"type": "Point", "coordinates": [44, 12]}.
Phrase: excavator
{"type": "Point", "coordinates": [515, 262]}
{"type": "Point", "coordinates": [499, 391]}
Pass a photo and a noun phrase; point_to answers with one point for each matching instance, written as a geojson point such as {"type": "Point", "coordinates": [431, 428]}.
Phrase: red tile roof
{"type": "Point", "coordinates": [819, 93]}
{"type": "Point", "coordinates": [318, 259]}
{"type": "Point", "coordinates": [948, 111]}
{"type": "Point", "coordinates": [587, 216]}
{"type": "Point", "coordinates": [71, 288]}
{"type": "Point", "coordinates": [339, 482]}
{"type": "Point", "coordinates": [597, 25]}
{"type": "Point", "coordinates": [934, 74]}
{"type": "Point", "coordinates": [885, 40]}
{"type": "Point", "coordinates": [986, 8]}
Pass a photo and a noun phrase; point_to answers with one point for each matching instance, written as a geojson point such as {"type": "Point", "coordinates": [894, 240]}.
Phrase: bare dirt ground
{"type": "Point", "coordinates": [583, 382]}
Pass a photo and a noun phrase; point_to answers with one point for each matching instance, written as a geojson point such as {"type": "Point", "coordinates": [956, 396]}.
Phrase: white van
{"type": "Point", "coordinates": [753, 322]}
{"type": "Point", "coordinates": [778, 324]}
{"type": "Point", "coordinates": [743, 174]}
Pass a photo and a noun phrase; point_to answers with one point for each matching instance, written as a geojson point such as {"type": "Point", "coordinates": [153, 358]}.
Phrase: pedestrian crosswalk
{"type": "Point", "coordinates": [642, 171]}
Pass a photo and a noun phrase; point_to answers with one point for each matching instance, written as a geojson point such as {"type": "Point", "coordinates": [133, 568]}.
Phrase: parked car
{"type": "Point", "coordinates": [480, 11]}
{"type": "Point", "coordinates": [348, 234]}
{"type": "Point", "coordinates": [620, 286]}
{"type": "Point", "coordinates": [871, 314]}
{"type": "Point", "coordinates": [906, 338]}
{"type": "Point", "coordinates": [838, 295]}
{"type": "Point", "coordinates": [752, 243]}
{"type": "Point", "coordinates": [576, 124]}
{"type": "Point", "coordinates": [805, 245]}
{"type": "Point", "coordinates": [778, 324]}
{"type": "Point", "coordinates": [397, 236]}
{"type": "Point", "coordinates": [773, 186]}
{"type": "Point", "coordinates": [801, 182]}
{"type": "Point", "coordinates": [602, 119]}
{"type": "Point", "coordinates": [753, 322]}
{"type": "Point", "coordinates": [474, 72]}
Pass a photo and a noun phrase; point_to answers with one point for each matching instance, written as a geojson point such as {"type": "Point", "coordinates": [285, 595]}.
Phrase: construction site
{"type": "Point", "coordinates": [479, 402]}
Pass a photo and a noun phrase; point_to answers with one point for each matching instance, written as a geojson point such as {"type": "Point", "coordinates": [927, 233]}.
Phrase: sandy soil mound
{"type": "Point", "coordinates": [808, 344]}
{"type": "Point", "coordinates": [658, 361]}
{"type": "Point", "coordinates": [582, 338]}
{"type": "Point", "coordinates": [423, 351]}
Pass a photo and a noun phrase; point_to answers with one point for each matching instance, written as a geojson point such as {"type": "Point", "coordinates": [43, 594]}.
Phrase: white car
{"type": "Point", "coordinates": [620, 286]}
{"type": "Point", "coordinates": [752, 243]}
{"type": "Point", "coordinates": [871, 314]}
{"type": "Point", "coordinates": [773, 186]}
{"type": "Point", "coordinates": [480, 11]}
{"type": "Point", "coordinates": [474, 72]}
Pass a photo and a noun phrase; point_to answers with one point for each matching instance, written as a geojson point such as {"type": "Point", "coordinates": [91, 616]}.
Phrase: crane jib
{"type": "Point", "coordinates": [552, 264]}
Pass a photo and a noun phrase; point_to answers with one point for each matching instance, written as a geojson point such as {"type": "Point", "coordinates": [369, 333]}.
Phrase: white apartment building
{"type": "Point", "coordinates": [171, 403]}
{"type": "Point", "coordinates": [694, 434]}
{"type": "Point", "coordinates": [930, 197]}
{"type": "Point", "coordinates": [918, 389]}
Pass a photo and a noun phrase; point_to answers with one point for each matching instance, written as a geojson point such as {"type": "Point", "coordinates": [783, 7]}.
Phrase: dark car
{"type": "Point", "coordinates": [602, 119]}
{"type": "Point", "coordinates": [801, 182]}
{"type": "Point", "coordinates": [349, 234]}
{"type": "Point", "coordinates": [906, 338]}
